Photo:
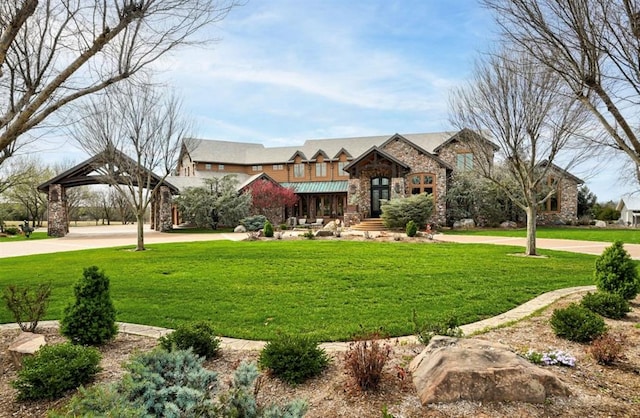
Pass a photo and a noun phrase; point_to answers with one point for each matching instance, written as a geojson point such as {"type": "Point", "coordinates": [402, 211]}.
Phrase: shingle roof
{"type": "Point", "coordinates": [630, 201]}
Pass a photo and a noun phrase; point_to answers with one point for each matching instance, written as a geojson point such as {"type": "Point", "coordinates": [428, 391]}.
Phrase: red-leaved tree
{"type": "Point", "coordinates": [270, 199]}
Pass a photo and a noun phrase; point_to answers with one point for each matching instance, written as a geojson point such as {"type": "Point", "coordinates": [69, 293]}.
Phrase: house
{"type": "Point", "coordinates": [349, 178]}
{"type": "Point", "coordinates": [629, 208]}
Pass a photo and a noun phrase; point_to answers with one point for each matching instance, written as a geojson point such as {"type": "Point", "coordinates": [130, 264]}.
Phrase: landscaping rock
{"type": "Point", "coordinates": [324, 233]}
{"type": "Point", "coordinates": [453, 369]}
{"type": "Point", "coordinates": [464, 224]}
{"type": "Point", "coordinates": [330, 226]}
{"type": "Point", "coordinates": [26, 344]}
{"type": "Point", "coordinates": [601, 224]}
{"type": "Point", "coordinates": [240, 228]}
{"type": "Point", "coordinates": [508, 225]}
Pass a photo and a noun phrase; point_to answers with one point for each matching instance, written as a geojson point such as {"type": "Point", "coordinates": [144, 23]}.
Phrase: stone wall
{"type": "Point", "coordinates": [568, 211]}
{"type": "Point", "coordinates": [57, 219]}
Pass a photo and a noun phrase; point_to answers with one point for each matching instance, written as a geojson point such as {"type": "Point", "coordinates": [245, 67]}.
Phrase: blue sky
{"type": "Point", "coordinates": [288, 70]}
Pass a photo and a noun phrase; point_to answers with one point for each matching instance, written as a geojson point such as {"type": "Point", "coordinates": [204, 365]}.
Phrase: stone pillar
{"type": "Point", "coordinates": [57, 219]}
{"type": "Point", "coordinates": [397, 188]}
{"type": "Point", "coordinates": [164, 220]}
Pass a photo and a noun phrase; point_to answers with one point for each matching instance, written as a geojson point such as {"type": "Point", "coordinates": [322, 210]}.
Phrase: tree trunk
{"type": "Point", "coordinates": [140, 225]}
{"type": "Point", "coordinates": [531, 230]}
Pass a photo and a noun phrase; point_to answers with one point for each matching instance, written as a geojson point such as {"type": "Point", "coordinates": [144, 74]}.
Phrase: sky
{"type": "Point", "coordinates": [283, 71]}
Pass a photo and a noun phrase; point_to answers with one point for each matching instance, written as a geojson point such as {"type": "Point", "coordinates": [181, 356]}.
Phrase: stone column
{"type": "Point", "coordinates": [57, 219]}
{"type": "Point", "coordinates": [165, 222]}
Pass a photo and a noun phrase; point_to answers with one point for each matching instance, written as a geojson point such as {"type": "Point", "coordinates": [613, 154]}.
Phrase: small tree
{"type": "Point", "coordinates": [616, 272]}
{"type": "Point", "coordinates": [270, 199]}
{"type": "Point", "coordinates": [397, 213]}
{"type": "Point", "coordinates": [27, 306]}
{"type": "Point", "coordinates": [91, 319]}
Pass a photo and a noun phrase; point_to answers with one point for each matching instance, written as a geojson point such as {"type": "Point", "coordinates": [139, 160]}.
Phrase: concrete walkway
{"type": "Point", "coordinates": [81, 238]}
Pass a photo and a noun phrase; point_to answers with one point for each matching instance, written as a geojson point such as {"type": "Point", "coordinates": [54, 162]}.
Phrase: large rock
{"type": "Point", "coordinates": [601, 224]}
{"type": "Point", "coordinates": [508, 225]}
{"type": "Point", "coordinates": [324, 233]}
{"type": "Point", "coordinates": [240, 228]}
{"type": "Point", "coordinates": [464, 224]}
{"type": "Point", "coordinates": [26, 344]}
{"type": "Point", "coordinates": [452, 369]}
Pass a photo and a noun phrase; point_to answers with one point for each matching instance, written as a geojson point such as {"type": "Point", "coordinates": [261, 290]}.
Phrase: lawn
{"type": "Point", "coordinates": [328, 289]}
{"type": "Point", "coordinates": [41, 234]}
{"type": "Point", "coordinates": [629, 236]}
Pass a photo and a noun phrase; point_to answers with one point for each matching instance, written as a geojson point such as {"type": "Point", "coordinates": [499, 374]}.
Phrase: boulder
{"type": "Point", "coordinates": [464, 224]}
{"type": "Point", "coordinates": [26, 344]}
{"type": "Point", "coordinates": [240, 228]}
{"type": "Point", "coordinates": [324, 233]}
{"type": "Point", "coordinates": [453, 369]}
{"type": "Point", "coordinates": [330, 226]}
{"type": "Point", "coordinates": [508, 225]}
{"type": "Point", "coordinates": [601, 224]}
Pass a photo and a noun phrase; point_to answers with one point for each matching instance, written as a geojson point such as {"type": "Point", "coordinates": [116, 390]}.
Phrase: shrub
{"type": "Point", "coordinates": [55, 369]}
{"type": "Point", "coordinates": [365, 360]}
{"type": "Point", "coordinates": [309, 234]}
{"type": "Point", "coordinates": [100, 400]}
{"type": "Point", "coordinates": [11, 230]}
{"type": "Point", "coordinates": [91, 319]}
{"type": "Point", "coordinates": [607, 348]}
{"type": "Point", "coordinates": [396, 213]}
{"type": "Point", "coordinates": [254, 223]}
{"type": "Point", "coordinates": [425, 330]}
{"type": "Point", "coordinates": [577, 323]}
{"type": "Point", "coordinates": [411, 229]}
{"type": "Point", "coordinates": [293, 359]}
{"type": "Point", "coordinates": [27, 305]}
{"type": "Point", "coordinates": [609, 305]}
{"type": "Point", "coordinates": [199, 336]}
{"type": "Point", "coordinates": [268, 230]}
{"type": "Point", "coordinates": [616, 272]}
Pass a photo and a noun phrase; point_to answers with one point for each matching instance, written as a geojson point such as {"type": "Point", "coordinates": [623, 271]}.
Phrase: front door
{"type": "Point", "coordinates": [380, 189]}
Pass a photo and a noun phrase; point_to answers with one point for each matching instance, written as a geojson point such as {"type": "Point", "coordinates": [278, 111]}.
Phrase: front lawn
{"type": "Point", "coordinates": [330, 289]}
{"type": "Point", "coordinates": [630, 236]}
{"type": "Point", "coordinates": [40, 234]}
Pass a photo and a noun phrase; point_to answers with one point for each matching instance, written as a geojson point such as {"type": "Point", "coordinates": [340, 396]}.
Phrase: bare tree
{"type": "Point", "coordinates": [121, 205]}
{"type": "Point", "coordinates": [25, 191]}
{"type": "Point", "coordinates": [55, 52]}
{"type": "Point", "coordinates": [528, 115]}
{"type": "Point", "coordinates": [137, 135]}
{"type": "Point", "coordinates": [592, 45]}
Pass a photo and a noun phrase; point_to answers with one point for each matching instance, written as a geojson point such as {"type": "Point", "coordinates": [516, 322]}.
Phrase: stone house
{"type": "Point", "coordinates": [348, 178]}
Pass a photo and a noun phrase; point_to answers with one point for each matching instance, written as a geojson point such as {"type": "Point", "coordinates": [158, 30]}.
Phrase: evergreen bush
{"type": "Point", "coordinates": [616, 272]}
{"type": "Point", "coordinates": [11, 230]}
{"type": "Point", "coordinates": [411, 229]}
{"type": "Point", "coordinates": [91, 319]}
{"type": "Point", "coordinates": [199, 336]}
{"type": "Point", "coordinates": [55, 369]}
{"type": "Point", "coordinates": [577, 323]}
{"type": "Point", "coordinates": [396, 213]}
{"type": "Point", "coordinates": [293, 359]}
{"type": "Point", "coordinates": [268, 230]}
{"type": "Point", "coordinates": [27, 305]}
{"type": "Point", "coordinates": [254, 223]}
{"type": "Point", "coordinates": [609, 305]}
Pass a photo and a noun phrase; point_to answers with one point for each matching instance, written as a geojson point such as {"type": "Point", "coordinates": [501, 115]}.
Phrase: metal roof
{"type": "Point", "coordinates": [318, 186]}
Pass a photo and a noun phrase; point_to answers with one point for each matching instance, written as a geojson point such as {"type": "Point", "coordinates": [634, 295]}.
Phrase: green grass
{"type": "Point", "coordinates": [630, 236]}
{"type": "Point", "coordinates": [34, 236]}
{"type": "Point", "coordinates": [327, 289]}
{"type": "Point", "coordinates": [200, 231]}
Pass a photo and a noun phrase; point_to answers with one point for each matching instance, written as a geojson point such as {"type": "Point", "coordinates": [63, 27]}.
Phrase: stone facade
{"type": "Point", "coordinates": [161, 210]}
{"type": "Point", "coordinates": [567, 212]}
{"type": "Point", "coordinates": [57, 224]}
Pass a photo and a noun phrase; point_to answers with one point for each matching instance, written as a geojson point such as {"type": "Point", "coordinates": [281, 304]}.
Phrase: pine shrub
{"type": "Point", "coordinates": [609, 305]}
{"type": "Point", "coordinates": [293, 358]}
{"type": "Point", "coordinates": [577, 323]}
{"type": "Point", "coordinates": [199, 336]}
{"type": "Point", "coordinates": [607, 348]}
{"type": "Point", "coordinates": [99, 401]}
{"type": "Point", "coordinates": [55, 369]}
{"type": "Point", "coordinates": [411, 229]}
{"type": "Point", "coordinates": [268, 230]}
{"type": "Point", "coordinates": [364, 361]}
{"type": "Point", "coordinates": [616, 272]}
{"type": "Point", "coordinates": [27, 305]}
{"type": "Point", "coordinates": [254, 223]}
{"type": "Point", "coordinates": [91, 319]}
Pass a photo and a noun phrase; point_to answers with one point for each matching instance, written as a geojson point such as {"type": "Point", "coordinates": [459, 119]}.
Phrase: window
{"type": "Point", "coordinates": [552, 204]}
{"type": "Point", "coordinates": [207, 167]}
{"type": "Point", "coordinates": [422, 183]}
{"type": "Point", "coordinates": [298, 170]}
{"type": "Point", "coordinates": [220, 167]}
{"type": "Point", "coordinates": [341, 166]}
{"type": "Point", "coordinates": [256, 168]}
{"type": "Point", "coordinates": [464, 161]}
{"type": "Point", "coordinates": [278, 167]}
{"type": "Point", "coordinates": [321, 169]}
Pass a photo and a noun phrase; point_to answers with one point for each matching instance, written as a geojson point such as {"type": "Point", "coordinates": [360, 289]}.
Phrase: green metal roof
{"type": "Point", "coordinates": [318, 186]}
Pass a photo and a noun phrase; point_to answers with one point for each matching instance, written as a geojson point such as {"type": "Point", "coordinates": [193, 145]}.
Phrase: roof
{"type": "Point", "coordinates": [318, 186]}
{"type": "Point", "coordinates": [252, 153]}
{"type": "Point", "coordinates": [630, 201]}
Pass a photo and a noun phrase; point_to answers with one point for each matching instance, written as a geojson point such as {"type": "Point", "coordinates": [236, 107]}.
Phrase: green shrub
{"type": "Point", "coordinates": [55, 369]}
{"type": "Point", "coordinates": [11, 230]}
{"type": "Point", "coordinates": [254, 223]}
{"type": "Point", "coordinates": [293, 359]}
{"type": "Point", "coordinates": [425, 330]}
{"type": "Point", "coordinates": [577, 323]}
{"type": "Point", "coordinates": [27, 305]}
{"type": "Point", "coordinates": [199, 336]}
{"type": "Point", "coordinates": [411, 229]}
{"type": "Point", "coordinates": [99, 401]}
{"type": "Point", "coordinates": [396, 213]}
{"type": "Point", "coordinates": [91, 319]}
{"type": "Point", "coordinates": [609, 305]}
{"type": "Point", "coordinates": [309, 234]}
{"type": "Point", "coordinates": [616, 272]}
{"type": "Point", "coordinates": [268, 230]}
